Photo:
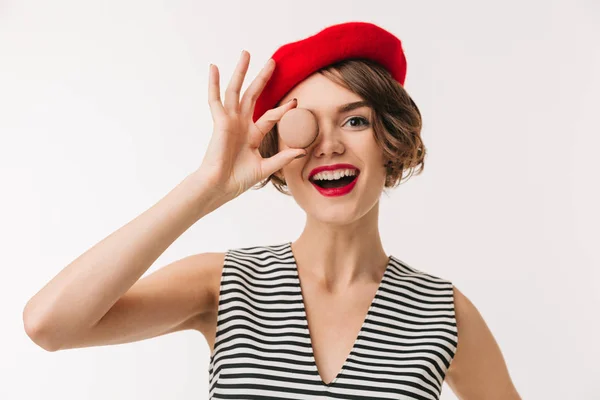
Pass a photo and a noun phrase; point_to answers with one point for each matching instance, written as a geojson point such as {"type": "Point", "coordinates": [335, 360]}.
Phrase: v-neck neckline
{"type": "Point", "coordinates": [360, 331]}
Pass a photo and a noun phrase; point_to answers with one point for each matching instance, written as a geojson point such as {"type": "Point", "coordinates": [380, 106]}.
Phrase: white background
{"type": "Point", "coordinates": [103, 110]}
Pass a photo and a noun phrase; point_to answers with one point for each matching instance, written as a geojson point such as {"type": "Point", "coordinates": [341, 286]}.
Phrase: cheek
{"type": "Point", "coordinates": [374, 157]}
{"type": "Point", "coordinates": [293, 171]}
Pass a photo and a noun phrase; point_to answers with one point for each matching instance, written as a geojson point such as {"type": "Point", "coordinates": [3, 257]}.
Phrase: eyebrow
{"type": "Point", "coordinates": [351, 106]}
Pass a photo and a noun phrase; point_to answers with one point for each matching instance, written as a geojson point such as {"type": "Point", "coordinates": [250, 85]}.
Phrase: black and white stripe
{"type": "Point", "coordinates": [263, 349]}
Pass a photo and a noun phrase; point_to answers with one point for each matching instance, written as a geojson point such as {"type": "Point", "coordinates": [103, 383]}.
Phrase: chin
{"type": "Point", "coordinates": [336, 214]}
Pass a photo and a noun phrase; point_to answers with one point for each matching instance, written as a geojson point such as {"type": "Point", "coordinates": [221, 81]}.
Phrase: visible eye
{"type": "Point", "coordinates": [365, 122]}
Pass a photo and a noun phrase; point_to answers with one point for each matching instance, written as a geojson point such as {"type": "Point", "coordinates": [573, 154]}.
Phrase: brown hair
{"type": "Point", "coordinates": [396, 121]}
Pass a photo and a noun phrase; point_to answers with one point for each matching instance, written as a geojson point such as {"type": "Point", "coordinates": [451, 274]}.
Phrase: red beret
{"type": "Point", "coordinates": [297, 60]}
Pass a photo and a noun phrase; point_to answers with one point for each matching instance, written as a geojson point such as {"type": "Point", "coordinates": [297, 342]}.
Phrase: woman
{"type": "Point", "coordinates": [329, 315]}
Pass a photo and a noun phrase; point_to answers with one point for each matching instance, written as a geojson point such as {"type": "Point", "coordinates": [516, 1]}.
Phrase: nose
{"type": "Point", "coordinates": [327, 142]}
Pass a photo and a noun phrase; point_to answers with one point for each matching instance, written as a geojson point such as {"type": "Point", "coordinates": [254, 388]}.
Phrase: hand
{"type": "Point", "coordinates": [232, 160]}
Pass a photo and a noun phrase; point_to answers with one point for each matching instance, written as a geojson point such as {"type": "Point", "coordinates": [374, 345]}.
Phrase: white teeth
{"type": "Point", "coordinates": [333, 175]}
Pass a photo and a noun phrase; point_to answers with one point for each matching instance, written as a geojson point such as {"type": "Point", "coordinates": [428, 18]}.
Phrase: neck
{"type": "Point", "coordinates": [341, 255]}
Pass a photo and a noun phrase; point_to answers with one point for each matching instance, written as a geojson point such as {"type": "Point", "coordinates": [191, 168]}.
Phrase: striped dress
{"type": "Point", "coordinates": [263, 349]}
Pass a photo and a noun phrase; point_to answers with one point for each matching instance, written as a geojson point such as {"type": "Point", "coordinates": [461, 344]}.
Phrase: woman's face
{"type": "Point", "coordinates": [344, 137]}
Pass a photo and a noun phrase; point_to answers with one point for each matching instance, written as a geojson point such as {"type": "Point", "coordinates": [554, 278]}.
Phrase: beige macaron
{"type": "Point", "coordinates": [298, 128]}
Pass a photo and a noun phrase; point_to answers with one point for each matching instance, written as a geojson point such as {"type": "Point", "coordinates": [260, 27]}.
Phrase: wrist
{"type": "Point", "coordinates": [205, 188]}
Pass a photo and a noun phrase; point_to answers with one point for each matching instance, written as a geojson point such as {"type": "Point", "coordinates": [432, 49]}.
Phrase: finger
{"type": "Point", "coordinates": [232, 93]}
{"type": "Point", "coordinates": [279, 160]}
{"type": "Point", "coordinates": [255, 89]}
{"type": "Point", "coordinates": [214, 93]}
{"type": "Point", "coordinates": [268, 121]}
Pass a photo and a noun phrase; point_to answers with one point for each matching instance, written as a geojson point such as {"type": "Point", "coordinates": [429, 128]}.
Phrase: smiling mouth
{"type": "Point", "coordinates": [334, 183]}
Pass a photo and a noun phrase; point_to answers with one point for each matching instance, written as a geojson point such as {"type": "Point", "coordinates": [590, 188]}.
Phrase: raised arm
{"type": "Point", "coordinates": [94, 301]}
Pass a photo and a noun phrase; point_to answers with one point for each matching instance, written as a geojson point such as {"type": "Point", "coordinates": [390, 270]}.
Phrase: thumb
{"type": "Point", "coordinates": [279, 160]}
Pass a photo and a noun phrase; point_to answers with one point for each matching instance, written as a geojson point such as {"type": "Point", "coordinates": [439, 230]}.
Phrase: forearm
{"type": "Point", "coordinates": [83, 292]}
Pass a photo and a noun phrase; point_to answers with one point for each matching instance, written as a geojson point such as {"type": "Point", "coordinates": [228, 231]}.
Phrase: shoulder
{"type": "Point", "coordinates": [239, 257]}
{"type": "Point", "coordinates": [208, 268]}
{"type": "Point", "coordinates": [211, 267]}
{"type": "Point", "coordinates": [205, 276]}
{"type": "Point", "coordinates": [478, 369]}
{"type": "Point", "coordinates": [214, 262]}
{"type": "Point", "coordinates": [404, 270]}
{"type": "Point", "coordinates": [464, 309]}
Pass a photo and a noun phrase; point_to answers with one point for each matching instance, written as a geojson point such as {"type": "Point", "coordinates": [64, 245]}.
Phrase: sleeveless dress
{"type": "Point", "coordinates": [263, 348]}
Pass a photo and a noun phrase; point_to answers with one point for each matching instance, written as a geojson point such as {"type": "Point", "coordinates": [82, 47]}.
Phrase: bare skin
{"type": "Point", "coordinates": [99, 299]}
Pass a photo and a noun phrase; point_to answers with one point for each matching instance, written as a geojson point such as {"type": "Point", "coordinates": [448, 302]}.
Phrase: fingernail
{"type": "Point", "coordinates": [292, 100]}
{"type": "Point", "coordinates": [300, 156]}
